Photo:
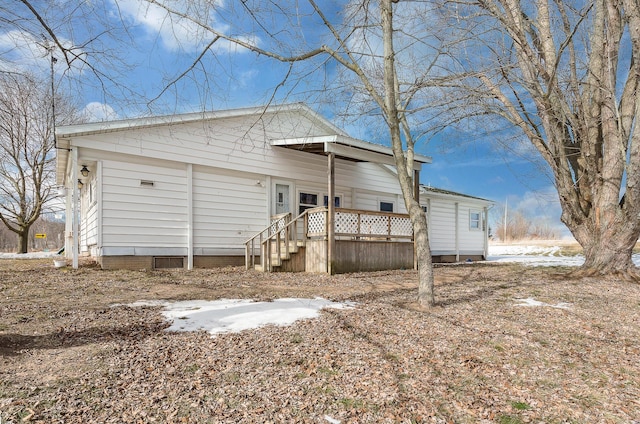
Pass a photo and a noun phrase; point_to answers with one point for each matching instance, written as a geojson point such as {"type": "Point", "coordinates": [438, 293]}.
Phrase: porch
{"type": "Point", "coordinates": [360, 241]}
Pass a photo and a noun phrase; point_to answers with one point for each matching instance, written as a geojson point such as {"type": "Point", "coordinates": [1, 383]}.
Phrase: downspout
{"type": "Point", "coordinates": [457, 229]}
{"type": "Point", "coordinates": [189, 216]}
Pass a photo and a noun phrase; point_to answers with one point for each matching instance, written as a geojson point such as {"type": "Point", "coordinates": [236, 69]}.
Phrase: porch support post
{"type": "Point", "coordinates": [189, 216]}
{"type": "Point", "coordinates": [331, 214]}
{"type": "Point", "coordinates": [76, 207]}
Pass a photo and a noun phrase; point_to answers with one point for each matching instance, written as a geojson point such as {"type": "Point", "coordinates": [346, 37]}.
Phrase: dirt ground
{"type": "Point", "coordinates": [67, 355]}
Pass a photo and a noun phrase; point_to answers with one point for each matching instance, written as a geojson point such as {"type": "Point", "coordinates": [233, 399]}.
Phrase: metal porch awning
{"type": "Point", "coordinates": [346, 148]}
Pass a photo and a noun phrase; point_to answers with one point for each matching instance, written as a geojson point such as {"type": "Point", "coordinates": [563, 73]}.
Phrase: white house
{"type": "Point", "coordinates": [202, 189]}
{"type": "Point", "coordinates": [458, 224]}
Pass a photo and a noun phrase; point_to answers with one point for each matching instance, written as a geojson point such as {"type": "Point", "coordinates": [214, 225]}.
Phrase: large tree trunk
{"type": "Point", "coordinates": [423, 255]}
{"type": "Point", "coordinates": [23, 240]}
{"type": "Point", "coordinates": [607, 244]}
{"type": "Point", "coordinates": [580, 114]}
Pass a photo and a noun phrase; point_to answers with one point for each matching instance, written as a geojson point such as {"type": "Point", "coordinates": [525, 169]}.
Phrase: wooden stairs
{"type": "Point", "coordinates": [288, 260]}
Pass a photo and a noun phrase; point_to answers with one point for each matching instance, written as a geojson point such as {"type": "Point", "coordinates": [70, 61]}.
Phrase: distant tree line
{"type": "Point", "coordinates": [518, 226]}
{"type": "Point", "coordinates": [54, 230]}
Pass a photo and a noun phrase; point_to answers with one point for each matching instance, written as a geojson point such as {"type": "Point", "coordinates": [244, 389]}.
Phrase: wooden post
{"type": "Point", "coordinates": [416, 185]}
{"type": "Point", "coordinates": [331, 237]}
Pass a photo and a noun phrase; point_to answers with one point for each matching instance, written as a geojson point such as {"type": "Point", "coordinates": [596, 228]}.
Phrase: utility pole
{"type": "Point", "coordinates": [504, 231]}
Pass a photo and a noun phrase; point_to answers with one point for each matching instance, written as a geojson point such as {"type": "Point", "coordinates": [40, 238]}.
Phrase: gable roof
{"type": "Point", "coordinates": [64, 132]}
{"type": "Point", "coordinates": [438, 192]}
{"type": "Point", "coordinates": [336, 141]}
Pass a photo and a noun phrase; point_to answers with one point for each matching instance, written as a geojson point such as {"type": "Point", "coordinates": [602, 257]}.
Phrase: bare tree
{"type": "Point", "coordinates": [87, 39]}
{"type": "Point", "coordinates": [361, 43]}
{"type": "Point", "coordinates": [565, 74]}
{"type": "Point", "coordinates": [27, 156]}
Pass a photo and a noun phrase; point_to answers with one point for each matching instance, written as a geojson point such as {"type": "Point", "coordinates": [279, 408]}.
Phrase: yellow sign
{"type": "Point", "coordinates": [41, 236]}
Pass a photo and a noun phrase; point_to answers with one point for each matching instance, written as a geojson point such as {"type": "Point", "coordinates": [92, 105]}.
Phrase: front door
{"type": "Point", "coordinates": [282, 198]}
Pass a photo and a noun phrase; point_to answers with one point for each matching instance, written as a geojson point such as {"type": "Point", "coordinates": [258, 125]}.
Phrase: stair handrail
{"type": "Point", "coordinates": [288, 229]}
{"type": "Point", "coordinates": [249, 251]}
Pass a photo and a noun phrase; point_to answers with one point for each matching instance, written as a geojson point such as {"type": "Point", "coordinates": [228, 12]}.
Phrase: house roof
{"type": "Point", "coordinates": [428, 190]}
{"type": "Point", "coordinates": [337, 141]}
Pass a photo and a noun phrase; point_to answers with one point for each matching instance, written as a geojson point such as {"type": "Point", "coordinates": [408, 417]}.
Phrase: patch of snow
{"type": "Point", "coordinates": [523, 250]}
{"type": "Point", "coordinates": [235, 315]}
{"type": "Point", "coordinates": [532, 302]}
{"type": "Point", "coordinates": [30, 255]}
{"type": "Point", "coordinates": [538, 256]}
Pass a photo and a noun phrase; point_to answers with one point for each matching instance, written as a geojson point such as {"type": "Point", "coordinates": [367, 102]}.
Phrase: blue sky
{"type": "Point", "coordinates": [154, 50]}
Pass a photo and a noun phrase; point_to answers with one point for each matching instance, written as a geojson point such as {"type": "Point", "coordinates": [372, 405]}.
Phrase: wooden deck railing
{"type": "Point", "coordinates": [286, 233]}
{"type": "Point", "coordinates": [361, 224]}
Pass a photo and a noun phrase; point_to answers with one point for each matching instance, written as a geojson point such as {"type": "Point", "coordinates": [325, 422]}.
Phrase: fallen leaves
{"type": "Point", "coordinates": [67, 356]}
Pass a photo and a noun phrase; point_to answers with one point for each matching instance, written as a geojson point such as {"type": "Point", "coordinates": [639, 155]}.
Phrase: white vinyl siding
{"type": "Point", "coordinates": [231, 145]}
{"type": "Point", "coordinates": [442, 233]}
{"type": "Point", "coordinates": [89, 221]}
{"type": "Point", "coordinates": [228, 209]}
{"type": "Point", "coordinates": [471, 239]}
{"type": "Point", "coordinates": [442, 226]}
{"type": "Point", "coordinates": [140, 216]}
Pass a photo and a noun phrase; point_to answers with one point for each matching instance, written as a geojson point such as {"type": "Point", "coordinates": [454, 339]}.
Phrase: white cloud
{"type": "Point", "coordinates": [21, 51]}
{"type": "Point", "coordinates": [177, 33]}
{"type": "Point", "coordinates": [542, 202]}
{"type": "Point", "coordinates": [98, 112]}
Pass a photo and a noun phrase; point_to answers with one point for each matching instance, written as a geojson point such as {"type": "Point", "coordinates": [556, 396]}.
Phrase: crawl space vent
{"type": "Point", "coordinates": [167, 263]}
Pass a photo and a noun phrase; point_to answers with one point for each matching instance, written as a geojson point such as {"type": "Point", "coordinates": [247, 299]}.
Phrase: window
{"type": "Point", "coordinates": [336, 201]}
{"type": "Point", "coordinates": [386, 207]}
{"type": "Point", "coordinates": [307, 201]}
{"type": "Point", "coordinates": [92, 192]}
{"type": "Point", "coordinates": [475, 220]}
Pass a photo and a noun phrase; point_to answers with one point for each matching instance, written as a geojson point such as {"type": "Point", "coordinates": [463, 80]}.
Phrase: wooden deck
{"type": "Point", "coordinates": [362, 241]}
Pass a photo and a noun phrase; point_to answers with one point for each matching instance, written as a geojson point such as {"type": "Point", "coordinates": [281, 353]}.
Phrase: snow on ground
{"type": "Point", "coordinates": [534, 255]}
{"type": "Point", "coordinates": [532, 302]}
{"type": "Point", "coordinates": [30, 255]}
{"type": "Point", "coordinates": [234, 315]}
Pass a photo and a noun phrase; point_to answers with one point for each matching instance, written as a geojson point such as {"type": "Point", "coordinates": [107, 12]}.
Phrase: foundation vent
{"type": "Point", "coordinates": [168, 262]}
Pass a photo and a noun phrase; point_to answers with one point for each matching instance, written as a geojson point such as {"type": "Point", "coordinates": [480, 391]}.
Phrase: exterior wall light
{"type": "Point", "coordinates": [84, 171]}
{"type": "Point", "coordinates": [80, 184]}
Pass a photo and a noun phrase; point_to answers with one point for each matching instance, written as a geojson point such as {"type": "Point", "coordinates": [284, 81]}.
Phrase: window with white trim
{"type": "Point", "coordinates": [337, 201]}
{"type": "Point", "coordinates": [475, 220]}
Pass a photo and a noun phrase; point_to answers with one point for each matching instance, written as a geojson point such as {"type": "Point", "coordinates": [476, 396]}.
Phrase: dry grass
{"type": "Point", "coordinates": [67, 356]}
